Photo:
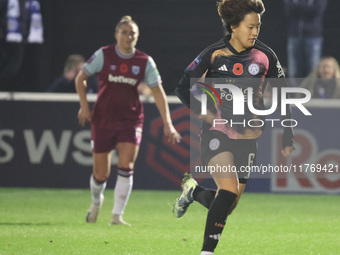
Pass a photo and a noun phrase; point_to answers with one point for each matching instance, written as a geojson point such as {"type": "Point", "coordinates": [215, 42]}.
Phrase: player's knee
{"type": "Point", "coordinates": [228, 187]}
{"type": "Point", "coordinates": [100, 177]}
{"type": "Point", "coordinates": [125, 165]}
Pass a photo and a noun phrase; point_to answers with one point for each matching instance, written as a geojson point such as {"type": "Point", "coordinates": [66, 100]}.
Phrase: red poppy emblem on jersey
{"type": "Point", "coordinates": [238, 69]}
{"type": "Point", "coordinates": [123, 68]}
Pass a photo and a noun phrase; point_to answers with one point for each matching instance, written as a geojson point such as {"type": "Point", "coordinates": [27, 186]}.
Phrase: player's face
{"type": "Point", "coordinates": [127, 36]}
{"type": "Point", "coordinates": [245, 34]}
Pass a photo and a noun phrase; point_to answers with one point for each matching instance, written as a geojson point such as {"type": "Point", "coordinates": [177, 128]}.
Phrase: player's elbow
{"type": "Point", "coordinates": [79, 80]}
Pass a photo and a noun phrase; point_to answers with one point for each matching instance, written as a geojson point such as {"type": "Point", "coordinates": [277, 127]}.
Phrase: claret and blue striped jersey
{"type": "Point", "coordinates": [118, 103]}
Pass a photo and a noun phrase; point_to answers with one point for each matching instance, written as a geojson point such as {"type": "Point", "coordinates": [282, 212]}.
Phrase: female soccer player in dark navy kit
{"type": "Point", "coordinates": [239, 55]}
{"type": "Point", "coordinates": [117, 116]}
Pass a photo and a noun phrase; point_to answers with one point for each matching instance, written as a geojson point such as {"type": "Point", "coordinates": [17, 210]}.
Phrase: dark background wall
{"type": "Point", "coordinates": [56, 152]}
{"type": "Point", "coordinates": [173, 32]}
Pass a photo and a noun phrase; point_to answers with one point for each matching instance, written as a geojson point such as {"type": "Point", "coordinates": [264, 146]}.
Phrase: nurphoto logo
{"type": "Point", "coordinates": [241, 97]}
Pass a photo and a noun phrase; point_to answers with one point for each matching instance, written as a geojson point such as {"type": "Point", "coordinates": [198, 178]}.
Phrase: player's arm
{"type": "Point", "coordinates": [275, 71]}
{"type": "Point", "coordinates": [163, 108]}
{"type": "Point", "coordinates": [92, 66]}
{"type": "Point", "coordinates": [153, 80]}
{"type": "Point", "coordinates": [84, 114]}
{"type": "Point", "coordinates": [196, 70]}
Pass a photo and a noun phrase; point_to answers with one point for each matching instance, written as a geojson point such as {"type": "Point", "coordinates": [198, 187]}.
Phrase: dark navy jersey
{"type": "Point", "coordinates": [245, 69]}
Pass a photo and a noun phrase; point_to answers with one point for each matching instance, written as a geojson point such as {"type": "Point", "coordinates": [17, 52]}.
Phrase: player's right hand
{"type": "Point", "coordinates": [287, 151]}
{"type": "Point", "coordinates": [84, 116]}
{"type": "Point", "coordinates": [172, 134]}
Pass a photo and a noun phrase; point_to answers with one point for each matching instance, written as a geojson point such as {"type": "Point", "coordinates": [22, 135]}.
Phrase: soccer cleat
{"type": "Point", "coordinates": [182, 203]}
{"type": "Point", "coordinates": [118, 220]}
{"type": "Point", "coordinates": [92, 213]}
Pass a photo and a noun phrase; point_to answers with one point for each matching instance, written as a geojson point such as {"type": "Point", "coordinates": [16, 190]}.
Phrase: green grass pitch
{"type": "Point", "coordinates": [52, 221]}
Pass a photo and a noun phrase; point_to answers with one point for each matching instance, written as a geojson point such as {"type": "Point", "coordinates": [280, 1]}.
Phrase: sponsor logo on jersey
{"type": "Point", "coordinates": [138, 132]}
{"type": "Point", "coordinates": [122, 79]}
{"type": "Point", "coordinates": [194, 63]}
{"type": "Point", "coordinates": [223, 68]}
{"type": "Point", "coordinates": [254, 69]}
{"type": "Point", "coordinates": [135, 70]}
{"type": "Point", "coordinates": [279, 70]}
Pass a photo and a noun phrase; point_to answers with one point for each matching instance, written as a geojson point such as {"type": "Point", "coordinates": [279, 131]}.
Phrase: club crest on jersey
{"type": "Point", "coordinates": [135, 70]}
{"type": "Point", "coordinates": [214, 144]}
{"type": "Point", "coordinates": [254, 69]}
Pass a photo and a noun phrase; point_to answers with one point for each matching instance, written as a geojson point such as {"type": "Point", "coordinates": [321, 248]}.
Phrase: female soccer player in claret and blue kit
{"type": "Point", "coordinates": [237, 56]}
{"type": "Point", "coordinates": [117, 115]}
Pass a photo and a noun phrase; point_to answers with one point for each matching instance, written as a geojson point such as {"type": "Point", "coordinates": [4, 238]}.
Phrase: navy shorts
{"type": "Point", "coordinates": [105, 140]}
{"type": "Point", "coordinates": [244, 151]}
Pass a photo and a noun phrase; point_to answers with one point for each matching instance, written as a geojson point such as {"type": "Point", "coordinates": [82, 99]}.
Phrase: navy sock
{"type": "Point", "coordinates": [216, 218]}
{"type": "Point", "coordinates": [204, 196]}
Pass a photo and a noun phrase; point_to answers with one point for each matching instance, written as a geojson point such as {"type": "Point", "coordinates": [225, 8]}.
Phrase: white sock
{"type": "Point", "coordinates": [96, 190]}
{"type": "Point", "coordinates": [122, 193]}
{"type": "Point", "coordinates": [207, 253]}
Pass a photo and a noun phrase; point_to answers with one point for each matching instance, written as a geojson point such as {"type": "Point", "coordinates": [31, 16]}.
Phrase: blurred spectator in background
{"type": "Point", "coordinates": [20, 25]}
{"type": "Point", "coordinates": [305, 39]}
{"type": "Point", "coordinates": [324, 82]}
{"type": "Point", "coordinates": [65, 83]}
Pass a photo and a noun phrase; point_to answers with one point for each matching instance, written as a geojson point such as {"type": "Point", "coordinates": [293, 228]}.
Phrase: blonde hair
{"type": "Point", "coordinates": [335, 65]}
{"type": "Point", "coordinates": [125, 20]}
{"type": "Point", "coordinates": [310, 80]}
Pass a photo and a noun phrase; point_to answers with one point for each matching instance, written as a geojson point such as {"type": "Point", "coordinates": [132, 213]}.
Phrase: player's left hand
{"type": "Point", "coordinates": [287, 151]}
{"type": "Point", "coordinates": [172, 134]}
